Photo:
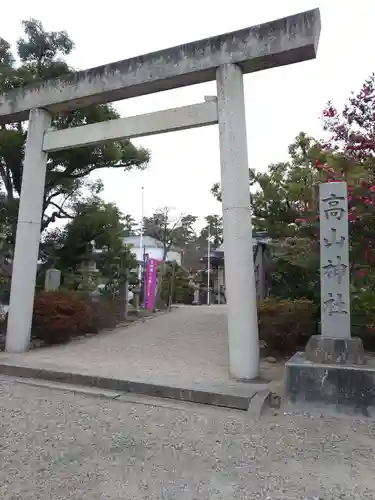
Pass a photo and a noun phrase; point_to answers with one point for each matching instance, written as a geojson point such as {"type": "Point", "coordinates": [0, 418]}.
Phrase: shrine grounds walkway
{"type": "Point", "coordinates": [182, 355]}
{"type": "Point", "coordinates": [81, 427]}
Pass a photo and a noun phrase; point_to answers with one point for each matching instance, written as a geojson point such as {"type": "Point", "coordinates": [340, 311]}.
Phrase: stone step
{"type": "Point", "coordinates": [225, 395]}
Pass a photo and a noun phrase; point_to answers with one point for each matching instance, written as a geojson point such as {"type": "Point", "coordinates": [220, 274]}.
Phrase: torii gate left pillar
{"type": "Point", "coordinates": [224, 58]}
{"type": "Point", "coordinates": [28, 234]}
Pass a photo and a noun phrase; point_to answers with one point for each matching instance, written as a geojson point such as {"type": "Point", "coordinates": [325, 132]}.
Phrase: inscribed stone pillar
{"type": "Point", "coordinates": [334, 345]}
{"type": "Point", "coordinates": [334, 260]}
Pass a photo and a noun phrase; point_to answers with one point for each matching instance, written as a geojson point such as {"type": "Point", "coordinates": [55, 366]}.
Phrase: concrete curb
{"type": "Point", "coordinates": [229, 397]}
{"type": "Point", "coordinates": [262, 402]}
{"type": "Point", "coordinates": [258, 404]}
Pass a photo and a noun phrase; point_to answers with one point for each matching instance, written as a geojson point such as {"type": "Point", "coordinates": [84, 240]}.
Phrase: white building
{"type": "Point", "coordinates": [153, 248]}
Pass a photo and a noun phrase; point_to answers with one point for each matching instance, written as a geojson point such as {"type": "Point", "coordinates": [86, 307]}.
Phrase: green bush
{"type": "Point", "coordinates": [293, 269]}
{"type": "Point", "coordinates": [175, 281]}
{"type": "Point", "coordinates": [286, 325]}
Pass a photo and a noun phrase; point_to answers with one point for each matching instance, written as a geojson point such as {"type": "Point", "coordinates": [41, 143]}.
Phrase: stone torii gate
{"type": "Point", "coordinates": [224, 58]}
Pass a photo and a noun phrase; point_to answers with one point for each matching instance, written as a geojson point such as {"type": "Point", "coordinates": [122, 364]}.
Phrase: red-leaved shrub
{"type": "Point", "coordinates": [286, 325]}
{"type": "Point", "coordinates": [60, 316]}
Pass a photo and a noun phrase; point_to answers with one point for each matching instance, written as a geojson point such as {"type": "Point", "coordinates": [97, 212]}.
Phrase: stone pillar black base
{"type": "Point", "coordinates": [332, 374]}
{"type": "Point", "coordinates": [334, 351]}
{"type": "Point", "coordinates": [337, 388]}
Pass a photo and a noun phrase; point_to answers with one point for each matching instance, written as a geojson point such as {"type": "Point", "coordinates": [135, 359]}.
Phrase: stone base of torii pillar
{"type": "Point", "coordinates": [333, 373]}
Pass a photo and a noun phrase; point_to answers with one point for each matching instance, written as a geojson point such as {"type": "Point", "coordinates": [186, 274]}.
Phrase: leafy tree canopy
{"type": "Point", "coordinates": [284, 199]}
{"type": "Point", "coordinates": [197, 248]}
{"type": "Point", "coordinates": [170, 231]}
{"type": "Point", "coordinates": [95, 225]}
{"type": "Point", "coordinates": [278, 195]}
{"type": "Point", "coordinates": [41, 54]}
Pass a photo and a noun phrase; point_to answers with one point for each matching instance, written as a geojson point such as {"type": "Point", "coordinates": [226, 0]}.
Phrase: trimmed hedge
{"type": "Point", "coordinates": [60, 316]}
{"type": "Point", "coordinates": [286, 325]}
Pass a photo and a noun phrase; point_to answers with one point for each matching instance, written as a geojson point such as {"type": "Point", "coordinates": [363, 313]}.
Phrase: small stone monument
{"type": "Point", "coordinates": [333, 368]}
{"type": "Point", "coordinates": [52, 280]}
{"type": "Point", "coordinates": [136, 299]}
{"type": "Point", "coordinates": [196, 298]}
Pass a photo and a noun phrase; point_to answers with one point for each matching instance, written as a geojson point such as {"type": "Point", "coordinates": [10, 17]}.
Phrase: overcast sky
{"type": "Point", "coordinates": [279, 102]}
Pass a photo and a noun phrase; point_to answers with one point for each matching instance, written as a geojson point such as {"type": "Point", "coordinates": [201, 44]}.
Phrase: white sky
{"type": "Point", "coordinates": [279, 102]}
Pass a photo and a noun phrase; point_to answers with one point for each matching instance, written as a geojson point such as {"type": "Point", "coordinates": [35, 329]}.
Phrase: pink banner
{"type": "Point", "coordinates": [151, 273]}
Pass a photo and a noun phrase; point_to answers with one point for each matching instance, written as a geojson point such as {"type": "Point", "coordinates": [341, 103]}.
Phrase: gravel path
{"type": "Point", "coordinates": [60, 445]}
{"type": "Point", "coordinates": [185, 347]}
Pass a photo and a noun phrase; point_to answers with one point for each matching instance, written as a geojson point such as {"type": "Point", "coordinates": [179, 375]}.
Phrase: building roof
{"type": "Point", "coordinates": [258, 239]}
{"type": "Point", "coordinates": [256, 242]}
{"type": "Point", "coordinates": [148, 241]}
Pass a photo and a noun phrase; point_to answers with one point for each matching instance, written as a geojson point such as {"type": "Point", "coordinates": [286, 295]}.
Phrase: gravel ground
{"type": "Point", "coordinates": [61, 445]}
{"type": "Point", "coordinates": [186, 347]}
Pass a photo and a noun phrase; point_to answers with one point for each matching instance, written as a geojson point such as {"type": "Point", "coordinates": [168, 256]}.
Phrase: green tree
{"type": "Point", "coordinates": [279, 195]}
{"type": "Point", "coordinates": [279, 199]}
{"type": "Point", "coordinates": [175, 286]}
{"type": "Point", "coordinates": [95, 225]}
{"type": "Point", "coordinates": [170, 231]}
{"type": "Point", "coordinates": [196, 248]}
{"type": "Point", "coordinates": [284, 199]}
{"type": "Point", "coordinates": [41, 54]}
{"type": "Point", "coordinates": [213, 227]}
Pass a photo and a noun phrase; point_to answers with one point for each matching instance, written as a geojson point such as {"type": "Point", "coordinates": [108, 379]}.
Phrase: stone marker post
{"type": "Point", "coordinates": [136, 299]}
{"type": "Point", "coordinates": [52, 280]}
{"type": "Point", "coordinates": [124, 294]}
{"type": "Point", "coordinates": [335, 344]}
{"type": "Point", "coordinates": [196, 300]}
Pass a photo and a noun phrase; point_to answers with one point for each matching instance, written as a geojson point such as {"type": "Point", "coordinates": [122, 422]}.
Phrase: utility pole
{"type": "Point", "coordinates": [140, 270]}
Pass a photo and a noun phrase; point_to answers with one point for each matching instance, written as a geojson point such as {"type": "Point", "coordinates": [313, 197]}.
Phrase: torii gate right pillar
{"type": "Point", "coordinates": [239, 266]}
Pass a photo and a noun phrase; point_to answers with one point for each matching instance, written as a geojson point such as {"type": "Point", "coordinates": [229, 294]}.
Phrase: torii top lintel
{"type": "Point", "coordinates": [277, 43]}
